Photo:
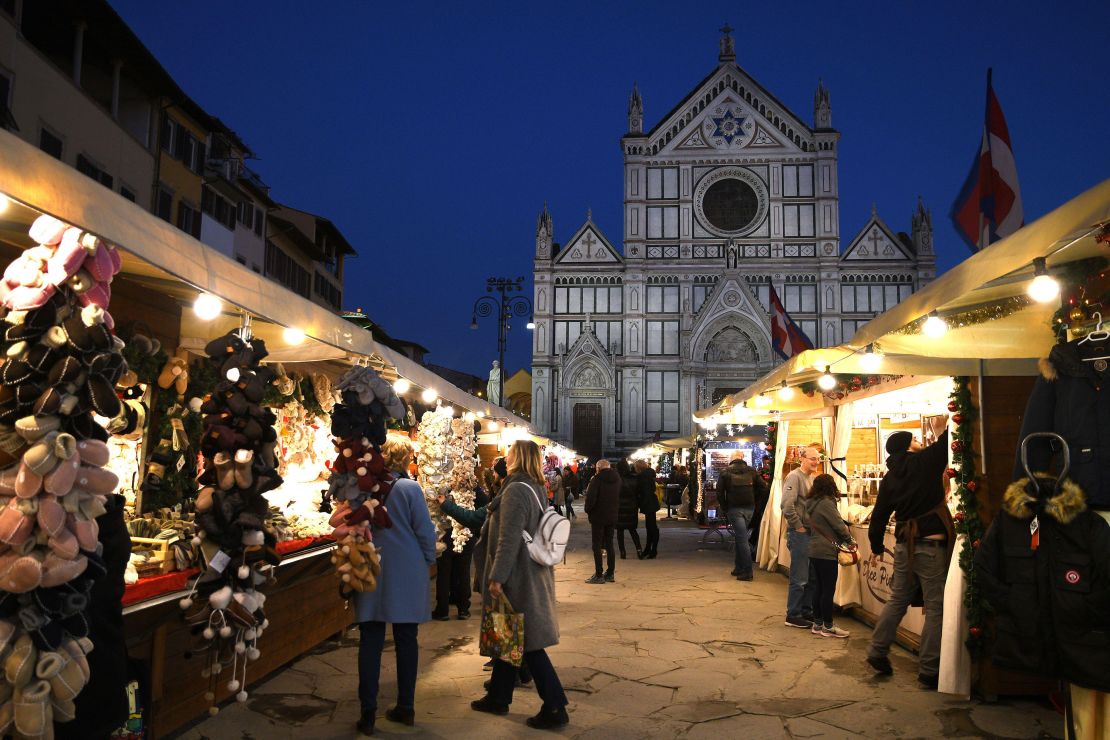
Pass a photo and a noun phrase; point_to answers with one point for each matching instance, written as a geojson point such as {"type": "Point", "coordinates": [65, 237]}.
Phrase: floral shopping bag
{"type": "Point", "coordinates": [502, 635]}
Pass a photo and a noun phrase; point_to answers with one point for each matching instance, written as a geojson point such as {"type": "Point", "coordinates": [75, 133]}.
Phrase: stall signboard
{"type": "Point", "coordinates": [878, 579]}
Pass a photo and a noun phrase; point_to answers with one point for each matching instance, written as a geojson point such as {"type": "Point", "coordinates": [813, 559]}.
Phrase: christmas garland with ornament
{"type": "Point", "coordinates": [1086, 285]}
{"type": "Point", "coordinates": [845, 384]}
{"type": "Point", "coordinates": [967, 520]}
{"type": "Point", "coordinates": [769, 452]}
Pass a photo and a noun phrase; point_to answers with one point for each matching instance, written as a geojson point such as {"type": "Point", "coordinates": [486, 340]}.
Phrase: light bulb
{"type": "Point", "coordinates": [826, 382]}
{"type": "Point", "coordinates": [530, 325]}
{"type": "Point", "coordinates": [401, 385]}
{"type": "Point", "coordinates": [449, 410]}
{"type": "Point", "coordinates": [786, 392]}
{"type": "Point", "coordinates": [293, 335]}
{"type": "Point", "coordinates": [762, 401]}
{"type": "Point", "coordinates": [481, 414]}
{"type": "Point", "coordinates": [1044, 289]}
{"type": "Point", "coordinates": [934, 326]}
{"type": "Point", "coordinates": [3, 202]}
{"type": "Point", "coordinates": [469, 416]}
{"type": "Point", "coordinates": [871, 360]}
{"type": "Point", "coordinates": [429, 395]}
{"type": "Point", "coordinates": [492, 426]}
{"type": "Point", "coordinates": [207, 307]}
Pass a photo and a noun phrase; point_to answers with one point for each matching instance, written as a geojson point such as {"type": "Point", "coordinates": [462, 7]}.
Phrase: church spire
{"type": "Point", "coordinates": [728, 47]}
{"type": "Point", "coordinates": [635, 111]}
{"type": "Point", "coordinates": [545, 234]}
{"type": "Point", "coordinates": [822, 109]}
{"type": "Point", "coordinates": [922, 229]}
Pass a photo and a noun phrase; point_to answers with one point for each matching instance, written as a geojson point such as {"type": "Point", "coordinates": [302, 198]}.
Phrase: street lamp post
{"type": "Point", "coordinates": [506, 306]}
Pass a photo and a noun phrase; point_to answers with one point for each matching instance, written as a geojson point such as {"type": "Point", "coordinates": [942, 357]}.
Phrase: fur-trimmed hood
{"type": "Point", "coordinates": [1064, 359]}
{"type": "Point", "coordinates": [1064, 506]}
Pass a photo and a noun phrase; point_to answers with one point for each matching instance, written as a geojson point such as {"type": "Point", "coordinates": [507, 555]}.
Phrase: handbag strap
{"type": "Point", "coordinates": [825, 533]}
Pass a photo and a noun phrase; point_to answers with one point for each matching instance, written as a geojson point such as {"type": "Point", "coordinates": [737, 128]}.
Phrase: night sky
{"type": "Point", "coordinates": [432, 133]}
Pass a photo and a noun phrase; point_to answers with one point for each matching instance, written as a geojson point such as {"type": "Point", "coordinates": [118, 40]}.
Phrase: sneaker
{"type": "Point", "coordinates": [596, 578]}
{"type": "Point", "coordinates": [799, 622]}
{"type": "Point", "coordinates": [816, 628]}
{"type": "Point", "coordinates": [548, 720]}
{"type": "Point", "coordinates": [487, 705]}
{"type": "Point", "coordinates": [833, 631]}
{"type": "Point", "coordinates": [928, 682]}
{"type": "Point", "coordinates": [610, 578]}
{"type": "Point", "coordinates": [881, 664]}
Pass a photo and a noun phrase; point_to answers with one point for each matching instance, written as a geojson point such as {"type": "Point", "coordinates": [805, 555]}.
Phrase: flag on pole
{"type": "Point", "coordinates": [988, 207]}
{"type": "Point", "coordinates": [786, 338]}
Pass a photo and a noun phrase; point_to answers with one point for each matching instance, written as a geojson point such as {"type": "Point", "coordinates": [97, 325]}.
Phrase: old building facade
{"type": "Point", "coordinates": [728, 195]}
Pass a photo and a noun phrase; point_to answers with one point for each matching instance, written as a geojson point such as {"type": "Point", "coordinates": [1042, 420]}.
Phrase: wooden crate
{"type": "Point", "coordinates": [161, 561]}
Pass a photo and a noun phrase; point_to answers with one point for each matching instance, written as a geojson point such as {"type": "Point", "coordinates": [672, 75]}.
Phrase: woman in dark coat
{"type": "Point", "coordinates": [628, 514]}
{"type": "Point", "coordinates": [649, 505]}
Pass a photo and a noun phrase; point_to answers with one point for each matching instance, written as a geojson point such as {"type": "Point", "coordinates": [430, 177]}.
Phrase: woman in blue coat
{"type": "Point", "coordinates": [408, 551]}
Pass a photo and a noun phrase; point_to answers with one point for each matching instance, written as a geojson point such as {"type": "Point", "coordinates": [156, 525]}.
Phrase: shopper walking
{"type": "Point", "coordinates": [795, 489]}
{"type": "Point", "coordinates": [737, 489]}
{"type": "Point", "coordinates": [570, 485]}
{"type": "Point", "coordinates": [649, 505]}
{"type": "Point", "coordinates": [558, 490]}
{"type": "Point", "coordinates": [453, 567]}
{"type": "Point", "coordinates": [628, 510]}
{"type": "Point", "coordinates": [507, 569]}
{"type": "Point", "coordinates": [401, 597]}
{"type": "Point", "coordinates": [602, 503]}
{"type": "Point", "coordinates": [913, 491]}
{"type": "Point", "coordinates": [827, 531]}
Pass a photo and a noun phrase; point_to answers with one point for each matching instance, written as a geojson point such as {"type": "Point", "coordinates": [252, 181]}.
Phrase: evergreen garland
{"type": "Point", "coordinates": [769, 456]}
{"type": "Point", "coordinates": [967, 520]}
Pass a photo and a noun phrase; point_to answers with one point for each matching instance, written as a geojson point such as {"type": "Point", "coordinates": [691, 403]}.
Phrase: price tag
{"type": "Point", "coordinates": [180, 463]}
{"type": "Point", "coordinates": [1034, 533]}
{"type": "Point", "coordinates": [219, 561]}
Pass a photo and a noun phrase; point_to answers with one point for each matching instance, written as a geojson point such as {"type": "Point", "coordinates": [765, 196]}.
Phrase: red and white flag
{"type": "Point", "coordinates": [786, 338]}
{"type": "Point", "coordinates": [988, 207]}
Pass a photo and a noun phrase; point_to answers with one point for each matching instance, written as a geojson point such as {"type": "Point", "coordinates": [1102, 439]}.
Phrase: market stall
{"type": "Point", "coordinates": [173, 297]}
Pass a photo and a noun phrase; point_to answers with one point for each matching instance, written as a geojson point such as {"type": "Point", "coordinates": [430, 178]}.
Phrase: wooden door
{"type": "Point", "coordinates": [587, 429]}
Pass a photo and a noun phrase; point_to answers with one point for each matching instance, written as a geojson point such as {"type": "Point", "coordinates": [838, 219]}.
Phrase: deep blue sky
{"type": "Point", "coordinates": [432, 133]}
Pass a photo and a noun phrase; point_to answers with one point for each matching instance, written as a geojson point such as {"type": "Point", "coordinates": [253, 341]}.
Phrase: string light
{"type": "Point", "coordinates": [762, 401]}
{"type": "Point", "coordinates": [207, 307]}
{"type": "Point", "coordinates": [293, 335]}
{"type": "Point", "coordinates": [1044, 288]}
{"type": "Point", "coordinates": [786, 392]}
{"type": "Point", "coordinates": [4, 202]}
{"type": "Point", "coordinates": [492, 426]}
{"type": "Point", "coordinates": [871, 360]}
{"type": "Point", "coordinates": [401, 385]}
{"type": "Point", "coordinates": [934, 326]}
{"type": "Point", "coordinates": [469, 416]}
{"type": "Point", "coordinates": [826, 382]}
{"type": "Point", "coordinates": [429, 395]}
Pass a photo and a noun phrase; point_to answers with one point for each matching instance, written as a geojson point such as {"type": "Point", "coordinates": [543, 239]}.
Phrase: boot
{"type": "Point", "coordinates": [243, 476]}
{"type": "Point", "coordinates": [365, 724]}
{"type": "Point", "coordinates": [641, 554]}
{"type": "Point", "coordinates": [549, 719]}
{"type": "Point", "coordinates": [401, 715]}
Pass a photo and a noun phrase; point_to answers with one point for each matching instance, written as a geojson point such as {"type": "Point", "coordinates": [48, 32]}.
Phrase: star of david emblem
{"type": "Point", "coordinates": [729, 127]}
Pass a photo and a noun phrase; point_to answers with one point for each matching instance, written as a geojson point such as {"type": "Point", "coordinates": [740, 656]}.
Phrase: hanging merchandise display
{"type": "Point", "coordinates": [62, 366]}
{"type": "Point", "coordinates": [462, 453]}
{"type": "Point", "coordinates": [434, 469]}
{"type": "Point", "coordinates": [359, 481]}
{"type": "Point", "coordinates": [238, 446]}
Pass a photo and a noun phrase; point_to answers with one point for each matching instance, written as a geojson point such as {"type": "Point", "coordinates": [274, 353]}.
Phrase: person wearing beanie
{"type": "Point", "coordinates": [913, 491]}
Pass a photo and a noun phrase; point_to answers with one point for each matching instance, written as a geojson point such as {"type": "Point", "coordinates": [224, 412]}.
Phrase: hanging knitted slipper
{"type": "Point", "coordinates": [16, 525]}
{"type": "Point", "coordinates": [33, 712]}
{"type": "Point", "coordinates": [50, 516]}
{"type": "Point", "coordinates": [242, 468]}
{"type": "Point", "coordinates": [93, 452]}
{"type": "Point", "coordinates": [174, 367]}
{"type": "Point", "coordinates": [19, 666]}
{"type": "Point", "coordinates": [56, 570]}
{"type": "Point", "coordinates": [20, 573]}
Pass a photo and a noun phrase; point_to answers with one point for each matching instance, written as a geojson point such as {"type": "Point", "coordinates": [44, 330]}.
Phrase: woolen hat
{"type": "Point", "coordinates": [898, 442]}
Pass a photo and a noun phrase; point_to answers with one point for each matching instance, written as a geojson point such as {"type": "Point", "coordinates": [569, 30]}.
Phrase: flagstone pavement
{"type": "Point", "coordinates": [675, 648]}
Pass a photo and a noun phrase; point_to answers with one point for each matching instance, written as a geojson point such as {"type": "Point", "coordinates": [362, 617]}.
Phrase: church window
{"type": "Point", "coordinates": [661, 401]}
{"type": "Point", "coordinates": [662, 183]}
{"type": "Point", "coordinates": [797, 181]}
{"type": "Point", "coordinates": [848, 328]}
{"type": "Point", "coordinates": [873, 297]}
{"type": "Point", "coordinates": [662, 337]}
{"type": "Point", "coordinates": [662, 222]}
{"type": "Point", "coordinates": [609, 334]}
{"type": "Point", "coordinates": [797, 220]}
{"type": "Point", "coordinates": [799, 298]}
{"type": "Point", "coordinates": [554, 400]}
{"type": "Point", "coordinates": [809, 328]}
{"type": "Point", "coordinates": [702, 290]}
{"type": "Point", "coordinates": [662, 299]}
{"type": "Point", "coordinates": [588, 299]}
{"type": "Point", "coordinates": [730, 204]}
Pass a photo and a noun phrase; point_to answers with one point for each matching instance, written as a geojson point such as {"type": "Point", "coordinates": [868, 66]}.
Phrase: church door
{"type": "Point", "coordinates": [587, 429]}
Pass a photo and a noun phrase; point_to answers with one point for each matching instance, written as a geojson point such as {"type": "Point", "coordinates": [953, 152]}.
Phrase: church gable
{"type": "Point", "coordinates": [729, 124]}
{"type": "Point", "coordinates": [728, 110]}
{"type": "Point", "coordinates": [588, 246]}
{"type": "Point", "coordinates": [732, 326]}
{"type": "Point", "coordinates": [586, 346]}
{"type": "Point", "coordinates": [876, 242]}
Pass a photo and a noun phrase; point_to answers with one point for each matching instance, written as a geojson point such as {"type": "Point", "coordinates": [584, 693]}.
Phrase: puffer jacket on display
{"type": "Point", "coordinates": [1071, 398]}
{"type": "Point", "coordinates": [1050, 591]}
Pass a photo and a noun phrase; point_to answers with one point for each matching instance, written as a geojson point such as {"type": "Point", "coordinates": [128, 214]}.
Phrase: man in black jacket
{"type": "Point", "coordinates": [602, 500]}
{"type": "Point", "coordinates": [738, 488]}
{"type": "Point", "coordinates": [913, 490]}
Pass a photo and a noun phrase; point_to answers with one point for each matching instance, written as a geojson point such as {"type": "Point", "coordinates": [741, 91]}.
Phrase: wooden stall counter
{"type": "Point", "coordinates": [303, 607]}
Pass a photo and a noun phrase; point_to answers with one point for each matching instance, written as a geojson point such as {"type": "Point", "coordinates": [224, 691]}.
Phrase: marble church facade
{"type": "Point", "coordinates": [728, 194]}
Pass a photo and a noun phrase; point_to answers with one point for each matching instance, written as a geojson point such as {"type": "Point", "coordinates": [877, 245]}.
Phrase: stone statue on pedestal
{"type": "Point", "coordinates": [493, 387]}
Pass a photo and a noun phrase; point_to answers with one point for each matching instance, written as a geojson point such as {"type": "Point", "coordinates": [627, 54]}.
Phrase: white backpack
{"type": "Point", "coordinates": [548, 545]}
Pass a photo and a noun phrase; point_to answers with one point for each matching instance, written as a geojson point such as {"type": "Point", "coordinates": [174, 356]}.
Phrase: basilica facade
{"type": "Point", "coordinates": [728, 195]}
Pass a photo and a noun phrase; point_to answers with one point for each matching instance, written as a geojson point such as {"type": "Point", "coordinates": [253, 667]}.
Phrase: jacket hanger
{"type": "Point", "coordinates": [1099, 335]}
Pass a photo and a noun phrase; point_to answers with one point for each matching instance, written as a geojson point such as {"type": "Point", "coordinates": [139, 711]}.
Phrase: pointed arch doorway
{"type": "Point", "coordinates": [587, 429]}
